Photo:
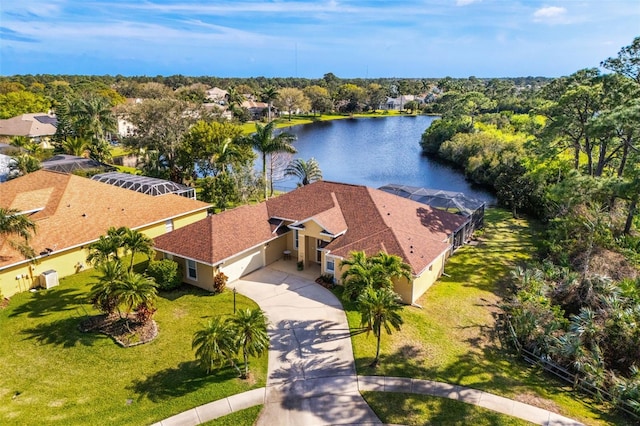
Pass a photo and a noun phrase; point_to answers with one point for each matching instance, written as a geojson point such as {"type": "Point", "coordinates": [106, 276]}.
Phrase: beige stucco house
{"type": "Point", "coordinates": [70, 212]}
{"type": "Point", "coordinates": [319, 225]}
{"type": "Point", "coordinates": [39, 127]}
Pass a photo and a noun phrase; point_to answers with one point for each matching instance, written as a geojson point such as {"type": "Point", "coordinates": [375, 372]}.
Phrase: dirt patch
{"type": "Point", "coordinates": [125, 331]}
{"type": "Point", "coordinates": [608, 263]}
{"type": "Point", "coordinates": [4, 303]}
{"type": "Point", "coordinates": [537, 401]}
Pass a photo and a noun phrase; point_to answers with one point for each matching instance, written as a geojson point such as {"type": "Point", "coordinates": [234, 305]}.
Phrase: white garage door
{"type": "Point", "coordinates": [240, 266]}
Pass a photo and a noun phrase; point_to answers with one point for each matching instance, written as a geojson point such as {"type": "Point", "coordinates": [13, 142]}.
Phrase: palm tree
{"type": "Point", "coordinates": [93, 117]}
{"type": "Point", "coordinates": [136, 290]}
{"type": "Point", "coordinates": [250, 327]}
{"type": "Point", "coordinates": [372, 272]}
{"type": "Point", "coordinates": [103, 250]}
{"type": "Point", "coordinates": [75, 146]}
{"type": "Point", "coordinates": [223, 154]}
{"type": "Point", "coordinates": [306, 171]}
{"type": "Point", "coordinates": [215, 344]}
{"type": "Point", "coordinates": [153, 164]}
{"type": "Point", "coordinates": [136, 242]}
{"type": "Point", "coordinates": [379, 309]}
{"type": "Point", "coordinates": [393, 265]}
{"type": "Point", "coordinates": [361, 274]}
{"type": "Point", "coordinates": [103, 294]}
{"type": "Point", "coordinates": [269, 94]}
{"type": "Point", "coordinates": [22, 164]}
{"type": "Point", "coordinates": [13, 222]}
{"type": "Point", "coordinates": [265, 142]}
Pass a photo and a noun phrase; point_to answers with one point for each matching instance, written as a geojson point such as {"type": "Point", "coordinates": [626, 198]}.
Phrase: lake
{"type": "Point", "coordinates": [375, 152]}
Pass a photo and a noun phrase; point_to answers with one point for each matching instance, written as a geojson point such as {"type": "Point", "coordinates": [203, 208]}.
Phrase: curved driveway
{"type": "Point", "coordinates": [311, 374]}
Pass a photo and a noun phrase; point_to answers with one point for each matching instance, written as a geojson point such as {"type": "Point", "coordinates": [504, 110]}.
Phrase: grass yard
{"type": "Point", "coordinates": [53, 374]}
{"type": "Point", "coordinates": [452, 338]}
{"type": "Point", "coordinates": [246, 417]}
{"type": "Point", "coordinates": [410, 409]}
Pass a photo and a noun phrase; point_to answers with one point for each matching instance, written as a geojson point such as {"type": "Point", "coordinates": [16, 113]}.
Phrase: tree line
{"type": "Point", "coordinates": [570, 156]}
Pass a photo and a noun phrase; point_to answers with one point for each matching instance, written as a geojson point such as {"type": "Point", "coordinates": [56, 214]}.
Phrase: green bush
{"type": "Point", "coordinates": [167, 274]}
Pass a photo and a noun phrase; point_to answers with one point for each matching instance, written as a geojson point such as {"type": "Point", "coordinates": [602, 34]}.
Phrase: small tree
{"type": "Point", "coordinates": [136, 242]}
{"type": "Point", "coordinates": [215, 345]}
{"type": "Point", "coordinates": [250, 328]}
{"type": "Point", "coordinates": [135, 291]}
{"type": "Point", "coordinates": [307, 171]}
{"type": "Point", "coordinates": [103, 294]}
{"type": "Point", "coordinates": [379, 309]}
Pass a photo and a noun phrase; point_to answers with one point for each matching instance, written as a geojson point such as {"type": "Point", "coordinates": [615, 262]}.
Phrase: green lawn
{"type": "Point", "coordinates": [452, 338]}
{"type": "Point", "coordinates": [245, 417]}
{"type": "Point", "coordinates": [53, 374]}
{"type": "Point", "coordinates": [410, 409]}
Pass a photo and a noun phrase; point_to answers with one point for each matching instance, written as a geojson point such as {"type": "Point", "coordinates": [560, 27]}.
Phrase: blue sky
{"type": "Point", "coordinates": [308, 38]}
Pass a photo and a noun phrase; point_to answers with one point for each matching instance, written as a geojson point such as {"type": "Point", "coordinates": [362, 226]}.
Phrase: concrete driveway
{"type": "Point", "coordinates": [312, 378]}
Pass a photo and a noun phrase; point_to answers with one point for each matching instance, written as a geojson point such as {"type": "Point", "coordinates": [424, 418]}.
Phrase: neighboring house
{"type": "Point", "coordinates": [257, 109]}
{"type": "Point", "coordinates": [71, 212]}
{"type": "Point", "coordinates": [319, 224]}
{"type": "Point", "coordinates": [217, 95]}
{"type": "Point", "coordinates": [40, 127]}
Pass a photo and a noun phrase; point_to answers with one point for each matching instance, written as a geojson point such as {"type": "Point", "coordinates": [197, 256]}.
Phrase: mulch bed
{"type": "Point", "coordinates": [325, 284]}
{"type": "Point", "coordinates": [4, 303]}
{"type": "Point", "coordinates": [126, 332]}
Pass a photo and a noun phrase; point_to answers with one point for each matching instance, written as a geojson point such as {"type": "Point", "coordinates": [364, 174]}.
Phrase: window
{"type": "Point", "coordinates": [330, 265]}
{"type": "Point", "coordinates": [295, 239]}
{"type": "Point", "coordinates": [192, 270]}
{"type": "Point", "coordinates": [168, 225]}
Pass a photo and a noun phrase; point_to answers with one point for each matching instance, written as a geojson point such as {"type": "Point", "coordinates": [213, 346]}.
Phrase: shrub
{"type": "Point", "coordinates": [166, 273]}
{"type": "Point", "coordinates": [219, 282]}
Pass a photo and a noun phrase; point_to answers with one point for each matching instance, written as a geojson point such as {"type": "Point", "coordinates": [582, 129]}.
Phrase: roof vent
{"type": "Point", "coordinates": [84, 215]}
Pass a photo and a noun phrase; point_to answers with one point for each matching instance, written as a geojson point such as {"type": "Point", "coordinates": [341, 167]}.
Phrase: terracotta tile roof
{"type": "Point", "coordinates": [220, 236]}
{"type": "Point", "coordinates": [374, 220]}
{"type": "Point", "coordinates": [28, 125]}
{"type": "Point", "coordinates": [72, 210]}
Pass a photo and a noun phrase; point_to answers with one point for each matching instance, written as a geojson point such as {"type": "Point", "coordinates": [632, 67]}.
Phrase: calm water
{"type": "Point", "coordinates": [375, 152]}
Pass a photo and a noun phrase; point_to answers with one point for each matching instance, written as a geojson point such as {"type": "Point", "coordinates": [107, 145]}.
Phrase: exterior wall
{"type": "Point", "coordinates": [422, 283]}
{"type": "Point", "coordinates": [72, 261]}
{"type": "Point", "coordinates": [276, 249]}
{"type": "Point", "coordinates": [205, 273]}
{"type": "Point", "coordinates": [64, 263]}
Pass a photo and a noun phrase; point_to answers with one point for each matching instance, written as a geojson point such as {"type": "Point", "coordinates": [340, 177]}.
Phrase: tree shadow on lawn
{"type": "Point", "coordinates": [486, 367]}
{"type": "Point", "coordinates": [63, 332]}
{"type": "Point", "coordinates": [187, 378]}
{"type": "Point", "coordinates": [45, 302]}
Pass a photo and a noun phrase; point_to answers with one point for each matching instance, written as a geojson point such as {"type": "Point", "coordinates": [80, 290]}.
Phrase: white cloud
{"type": "Point", "coordinates": [551, 15]}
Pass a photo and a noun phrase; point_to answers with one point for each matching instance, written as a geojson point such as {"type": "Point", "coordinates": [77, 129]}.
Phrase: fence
{"type": "Point", "coordinates": [544, 362]}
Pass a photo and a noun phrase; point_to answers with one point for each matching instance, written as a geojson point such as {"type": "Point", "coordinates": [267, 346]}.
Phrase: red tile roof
{"type": "Point", "coordinates": [71, 210]}
{"type": "Point", "coordinates": [369, 220]}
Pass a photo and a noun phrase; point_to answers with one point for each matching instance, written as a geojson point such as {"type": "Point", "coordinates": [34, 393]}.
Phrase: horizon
{"type": "Point", "coordinates": [308, 39]}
